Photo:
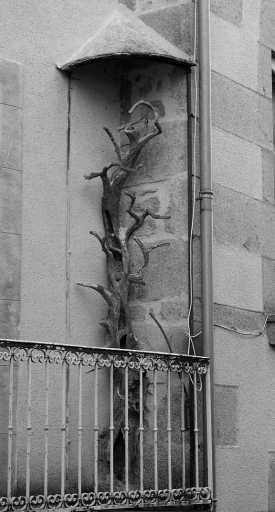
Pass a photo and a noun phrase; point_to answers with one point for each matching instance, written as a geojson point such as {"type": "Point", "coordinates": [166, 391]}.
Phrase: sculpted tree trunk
{"type": "Point", "coordinates": [115, 245]}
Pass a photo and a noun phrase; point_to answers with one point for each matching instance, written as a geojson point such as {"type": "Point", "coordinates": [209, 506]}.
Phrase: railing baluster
{"type": "Point", "coordinates": [10, 427]}
{"type": "Point", "coordinates": [141, 427]}
{"type": "Point", "coordinates": [155, 429]}
{"type": "Point", "coordinates": [196, 431]}
{"type": "Point", "coordinates": [80, 429]}
{"type": "Point", "coordinates": [29, 427]}
{"type": "Point", "coordinates": [96, 432]}
{"type": "Point", "coordinates": [46, 428]}
{"type": "Point", "coordinates": [169, 429]}
{"type": "Point", "coordinates": [195, 366]}
{"type": "Point", "coordinates": [126, 430]}
{"type": "Point", "coordinates": [63, 429]}
{"type": "Point", "coordinates": [183, 427]}
{"type": "Point", "coordinates": [112, 428]}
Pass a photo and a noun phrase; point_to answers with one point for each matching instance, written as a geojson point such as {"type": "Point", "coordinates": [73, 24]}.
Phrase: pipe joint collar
{"type": "Point", "coordinates": [206, 194]}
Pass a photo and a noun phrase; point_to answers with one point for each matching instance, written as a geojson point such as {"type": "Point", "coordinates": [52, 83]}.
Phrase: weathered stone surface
{"type": "Point", "coordinates": [9, 319]}
{"type": "Point", "coordinates": [157, 156]}
{"type": "Point", "coordinates": [150, 337]}
{"type": "Point", "coordinates": [236, 163]}
{"type": "Point", "coordinates": [233, 284]}
{"type": "Point", "coordinates": [267, 23]}
{"type": "Point", "coordinates": [239, 319]}
{"type": "Point", "coordinates": [241, 111]}
{"type": "Point", "coordinates": [166, 274]}
{"type": "Point", "coordinates": [10, 201]}
{"type": "Point", "coordinates": [10, 129]}
{"type": "Point", "coordinates": [163, 85]}
{"type": "Point", "coordinates": [138, 312]}
{"type": "Point", "coordinates": [234, 52]}
{"type": "Point", "coordinates": [174, 310]}
{"type": "Point", "coordinates": [173, 23]}
{"type": "Point", "coordinates": [226, 419]}
{"type": "Point", "coordinates": [264, 71]}
{"type": "Point", "coordinates": [268, 176]}
{"type": "Point", "coordinates": [9, 266]}
{"type": "Point", "coordinates": [231, 11]}
{"type": "Point", "coordinates": [239, 220]}
{"type": "Point", "coordinates": [178, 206]}
{"type": "Point", "coordinates": [10, 83]}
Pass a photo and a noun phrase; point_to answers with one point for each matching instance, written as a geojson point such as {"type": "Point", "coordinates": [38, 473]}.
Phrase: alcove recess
{"type": "Point", "coordinates": [124, 62]}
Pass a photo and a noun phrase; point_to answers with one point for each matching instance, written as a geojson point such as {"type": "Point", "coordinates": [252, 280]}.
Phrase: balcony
{"type": "Point", "coordinates": [90, 428]}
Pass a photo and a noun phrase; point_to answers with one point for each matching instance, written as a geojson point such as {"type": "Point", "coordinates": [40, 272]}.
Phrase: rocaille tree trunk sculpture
{"type": "Point", "coordinates": [115, 245]}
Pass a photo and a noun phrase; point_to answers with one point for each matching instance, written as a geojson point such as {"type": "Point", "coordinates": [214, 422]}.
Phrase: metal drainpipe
{"type": "Point", "coordinates": [206, 197]}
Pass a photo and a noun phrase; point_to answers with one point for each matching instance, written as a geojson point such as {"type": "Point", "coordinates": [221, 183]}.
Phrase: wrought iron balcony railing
{"type": "Point", "coordinates": [87, 427]}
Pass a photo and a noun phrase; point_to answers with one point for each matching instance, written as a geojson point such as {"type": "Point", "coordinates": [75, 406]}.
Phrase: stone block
{"type": "Point", "coordinates": [231, 11]}
{"type": "Point", "coordinates": [241, 111]}
{"type": "Point", "coordinates": [267, 23]}
{"type": "Point", "coordinates": [10, 137]}
{"type": "Point", "coordinates": [9, 266]}
{"type": "Point", "coordinates": [173, 23]}
{"type": "Point", "coordinates": [237, 278]}
{"type": "Point", "coordinates": [10, 201]}
{"type": "Point", "coordinates": [234, 52]}
{"type": "Point", "coordinates": [157, 156]}
{"type": "Point", "coordinates": [174, 310]}
{"type": "Point", "coordinates": [9, 319]}
{"type": "Point", "coordinates": [264, 71]}
{"type": "Point", "coordinates": [150, 337]}
{"type": "Point", "coordinates": [268, 176]}
{"type": "Point", "coordinates": [226, 415]}
{"type": "Point", "coordinates": [11, 77]}
{"type": "Point", "coordinates": [178, 206]}
{"type": "Point", "coordinates": [238, 220]}
{"type": "Point", "coordinates": [236, 163]}
{"type": "Point", "coordinates": [166, 274]}
{"type": "Point", "coordinates": [239, 319]}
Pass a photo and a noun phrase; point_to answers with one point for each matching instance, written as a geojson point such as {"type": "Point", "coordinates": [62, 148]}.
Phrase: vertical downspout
{"type": "Point", "coordinates": [206, 197]}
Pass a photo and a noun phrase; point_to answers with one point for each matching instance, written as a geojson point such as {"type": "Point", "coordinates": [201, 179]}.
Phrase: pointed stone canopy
{"type": "Point", "coordinates": [124, 35]}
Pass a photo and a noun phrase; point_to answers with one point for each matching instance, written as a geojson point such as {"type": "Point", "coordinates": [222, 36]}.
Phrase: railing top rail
{"type": "Point", "coordinates": [101, 350]}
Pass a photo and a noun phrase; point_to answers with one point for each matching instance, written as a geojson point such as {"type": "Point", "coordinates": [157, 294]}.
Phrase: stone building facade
{"type": "Point", "coordinates": [51, 135]}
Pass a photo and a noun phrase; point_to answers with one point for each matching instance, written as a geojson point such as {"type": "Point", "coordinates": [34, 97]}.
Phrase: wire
{"type": "Point", "coordinates": [190, 338]}
{"type": "Point", "coordinates": [244, 333]}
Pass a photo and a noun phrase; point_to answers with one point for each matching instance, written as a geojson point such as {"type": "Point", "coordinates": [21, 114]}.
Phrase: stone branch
{"type": "Point", "coordinates": [115, 245]}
